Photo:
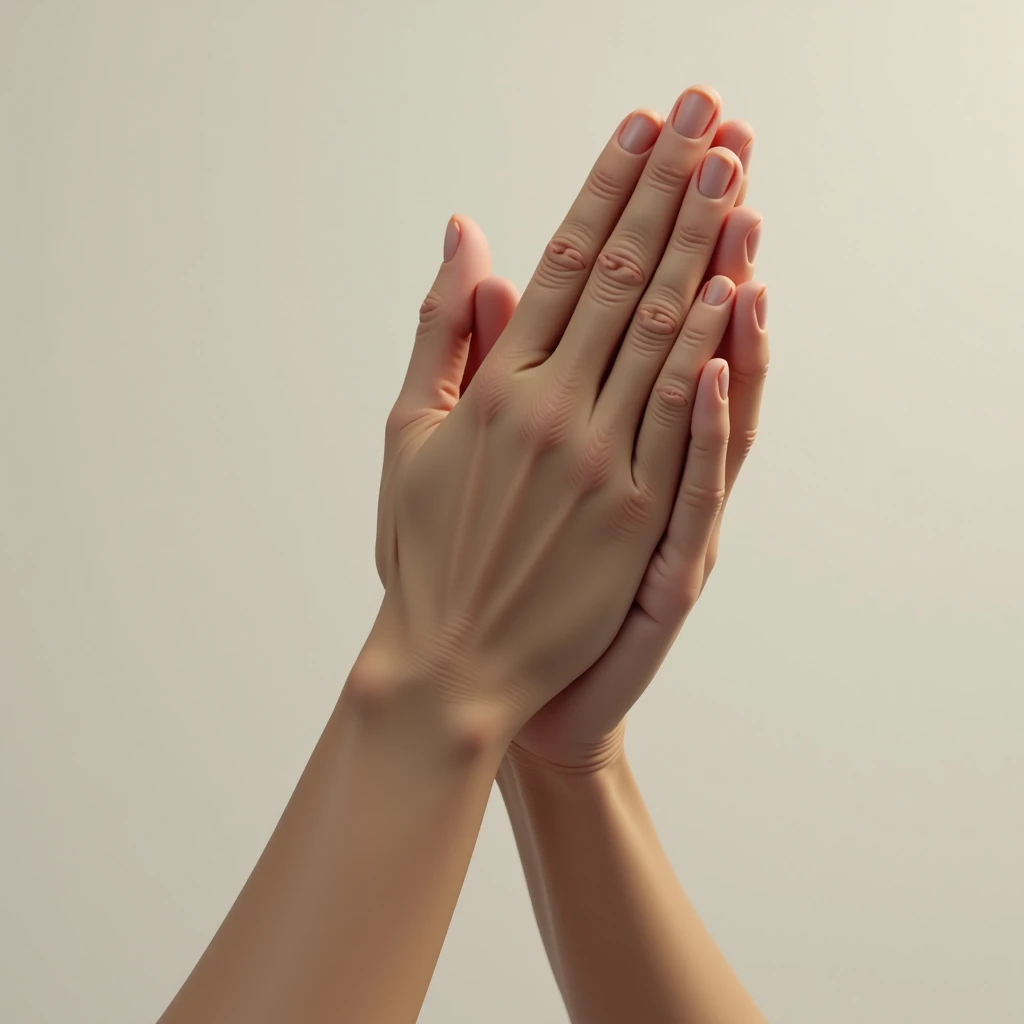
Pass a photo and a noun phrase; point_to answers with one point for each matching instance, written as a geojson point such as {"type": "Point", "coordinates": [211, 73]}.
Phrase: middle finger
{"type": "Point", "coordinates": [632, 252]}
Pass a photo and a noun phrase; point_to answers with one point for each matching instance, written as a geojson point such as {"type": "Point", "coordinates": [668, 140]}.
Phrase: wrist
{"type": "Point", "coordinates": [545, 802]}
{"type": "Point", "coordinates": [543, 751]}
{"type": "Point", "coordinates": [387, 696]}
{"type": "Point", "coordinates": [600, 767]}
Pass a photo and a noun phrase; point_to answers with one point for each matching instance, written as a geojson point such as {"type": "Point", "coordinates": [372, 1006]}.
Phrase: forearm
{"type": "Point", "coordinates": [345, 913]}
{"type": "Point", "coordinates": [623, 939]}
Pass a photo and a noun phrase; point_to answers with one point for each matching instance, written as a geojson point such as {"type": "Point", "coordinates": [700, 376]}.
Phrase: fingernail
{"type": "Point", "coordinates": [451, 239]}
{"type": "Point", "coordinates": [723, 382]}
{"type": "Point", "coordinates": [761, 309]}
{"type": "Point", "coordinates": [694, 113]}
{"type": "Point", "coordinates": [638, 134]}
{"type": "Point", "coordinates": [715, 175]}
{"type": "Point", "coordinates": [753, 241]}
{"type": "Point", "coordinates": [745, 154]}
{"type": "Point", "coordinates": [717, 290]}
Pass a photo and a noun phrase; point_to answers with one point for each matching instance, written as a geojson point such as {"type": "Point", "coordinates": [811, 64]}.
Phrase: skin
{"type": "Point", "coordinates": [584, 726]}
{"type": "Point", "coordinates": [623, 940]}
{"type": "Point", "coordinates": [517, 524]}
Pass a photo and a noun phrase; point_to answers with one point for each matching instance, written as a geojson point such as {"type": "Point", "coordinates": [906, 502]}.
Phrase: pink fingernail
{"type": "Point", "coordinates": [761, 308]}
{"type": "Point", "coordinates": [451, 239]}
{"type": "Point", "coordinates": [638, 134]}
{"type": "Point", "coordinates": [716, 175]}
{"type": "Point", "coordinates": [723, 382]}
{"type": "Point", "coordinates": [745, 154]}
{"type": "Point", "coordinates": [753, 241]}
{"type": "Point", "coordinates": [694, 114]}
{"type": "Point", "coordinates": [717, 290]}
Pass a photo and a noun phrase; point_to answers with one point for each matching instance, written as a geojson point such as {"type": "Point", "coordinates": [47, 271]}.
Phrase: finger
{"type": "Point", "coordinates": [446, 319]}
{"type": "Point", "coordinates": [652, 333]}
{"type": "Point", "coordinates": [496, 301]}
{"type": "Point", "coordinates": [603, 695]}
{"type": "Point", "coordinates": [557, 283]}
{"type": "Point", "coordinates": [665, 431]}
{"type": "Point", "coordinates": [675, 575]}
{"type": "Point", "coordinates": [739, 137]}
{"type": "Point", "coordinates": [746, 348]}
{"type": "Point", "coordinates": [636, 250]}
{"type": "Point", "coordinates": [737, 245]}
{"type": "Point", "coordinates": [431, 386]}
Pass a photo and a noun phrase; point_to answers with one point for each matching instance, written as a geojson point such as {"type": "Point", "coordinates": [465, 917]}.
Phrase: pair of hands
{"type": "Point", "coordinates": [556, 467]}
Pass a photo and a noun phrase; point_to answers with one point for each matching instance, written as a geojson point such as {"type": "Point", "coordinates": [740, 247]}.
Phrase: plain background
{"type": "Point", "coordinates": [217, 222]}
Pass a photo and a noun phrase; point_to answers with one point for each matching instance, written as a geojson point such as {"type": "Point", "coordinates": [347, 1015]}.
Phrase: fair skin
{"type": "Point", "coordinates": [622, 938]}
{"type": "Point", "coordinates": [523, 521]}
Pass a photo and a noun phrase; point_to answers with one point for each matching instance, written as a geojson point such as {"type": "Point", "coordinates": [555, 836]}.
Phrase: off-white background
{"type": "Point", "coordinates": [217, 221]}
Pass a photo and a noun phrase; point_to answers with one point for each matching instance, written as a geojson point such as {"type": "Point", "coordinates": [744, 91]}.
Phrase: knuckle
{"type": "Point", "coordinates": [606, 184]}
{"type": "Point", "coordinates": [592, 468]}
{"type": "Point", "coordinates": [667, 177]}
{"type": "Point", "coordinates": [491, 389]}
{"type": "Point", "coordinates": [621, 266]}
{"type": "Point", "coordinates": [617, 275]}
{"type": "Point", "coordinates": [754, 375]}
{"type": "Point", "coordinates": [746, 441]}
{"type": "Point", "coordinates": [621, 263]}
{"type": "Point", "coordinates": [690, 239]}
{"type": "Point", "coordinates": [563, 260]}
{"type": "Point", "coordinates": [683, 594]}
{"type": "Point", "coordinates": [675, 582]}
{"type": "Point", "coordinates": [697, 333]}
{"type": "Point", "coordinates": [547, 418]}
{"type": "Point", "coordinates": [702, 497]}
{"type": "Point", "coordinates": [709, 440]}
{"type": "Point", "coordinates": [655, 326]}
{"type": "Point", "coordinates": [631, 511]}
{"type": "Point", "coordinates": [430, 309]}
{"type": "Point", "coordinates": [671, 399]}
{"type": "Point", "coordinates": [703, 448]}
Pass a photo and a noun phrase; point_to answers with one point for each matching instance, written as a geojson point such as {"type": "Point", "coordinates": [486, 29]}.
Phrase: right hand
{"type": "Point", "coordinates": [516, 524]}
{"type": "Point", "coordinates": [583, 727]}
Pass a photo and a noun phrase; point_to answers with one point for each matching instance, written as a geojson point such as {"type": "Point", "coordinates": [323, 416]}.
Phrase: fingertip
{"type": "Point", "coordinates": [715, 379]}
{"type": "Point", "coordinates": [738, 136]}
{"type": "Point", "coordinates": [761, 308]}
{"type": "Point", "coordinates": [732, 251]}
{"type": "Point", "coordinates": [496, 301]}
{"type": "Point", "coordinates": [710, 390]}
{"type": "Point", "coordinates": [638, 133]}
{"type": "Point", "coordinates": [465, 248]}
{"type": "Point", "coordinates": [720, 172]}
{"type": "Point", "coordinates": [497, 291]}
{"type": "Point", "coordinates": [753, 240]}
{"type": "Point", "coordinates": [718, 291]}
{"type": "Point", "coordinates": [713, 96]}
{"type": "Point", "coordinates": [746, 339]}
{"type": "Point", "coordinates": [452, 238]}
{"type": "Point", "coordinates": [751, 310]}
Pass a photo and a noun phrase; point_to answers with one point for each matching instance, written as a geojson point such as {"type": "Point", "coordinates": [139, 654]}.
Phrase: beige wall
{"type": "Point", "coordinates": [217, 221]}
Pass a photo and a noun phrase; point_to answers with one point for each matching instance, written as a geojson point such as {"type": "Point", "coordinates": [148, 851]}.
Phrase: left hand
{"type": "Point", "coordinates": [582, 727]}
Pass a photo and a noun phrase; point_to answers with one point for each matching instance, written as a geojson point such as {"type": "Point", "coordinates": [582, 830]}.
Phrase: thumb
{"type": "Point", "coordinates": [446, 322]}
{"type": "Point", "coordinates": [496, 301]}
